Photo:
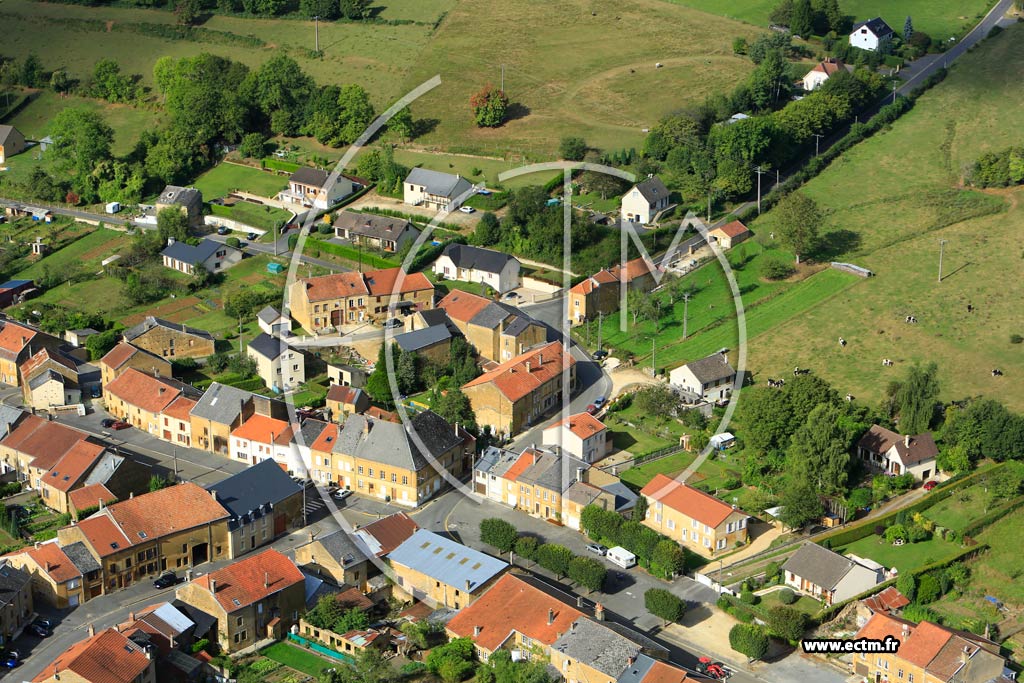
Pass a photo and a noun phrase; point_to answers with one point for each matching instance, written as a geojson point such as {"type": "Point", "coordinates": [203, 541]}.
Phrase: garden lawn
{"type": "Point", "coordinates": [953, 513]}
{"type": "Point", "coordinates": [465, 165]}
{"type": "Point", "coordinates": [346, 252]}
{"type": "Point", "coordinates": [296, 658]}
{"type": "Point", "coordinates": [805, 604]}
{"type": "Point", "coordinates": [669, 466]}
{"type": "Point", "coordinates": [88, 250]}
{"type": "Point", "coordinates": [906, 557]}
{"type": "Point", "coordinates": [225, 177]}
{"type": "Point", "coordinates": [260, 217]}
{"type": "Point", "coordinates": [999, 570]}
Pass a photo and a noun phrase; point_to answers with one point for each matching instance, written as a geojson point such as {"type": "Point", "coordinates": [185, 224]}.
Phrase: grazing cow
{"type": "Point", "coordinates": [842, 342]}
{"type": "Point", "coordinates": [849, 397]}
{"type": "Point", "coordinates": [887, 362]}
{"type": "Point", "coordinates": [997, 373]}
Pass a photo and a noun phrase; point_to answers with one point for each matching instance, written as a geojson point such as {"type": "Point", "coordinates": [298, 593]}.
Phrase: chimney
{"type": "Point", "coordinates": [630, 661]}
{"type": "Point", "coordinates": [965, 654]}
{"type": "Point", "coordinates": [906, 441]}
{"type": "Point", "coordinates": [131, 494]}
{"type": "Point", "coordinates": [906, 632]}
{"type": "Point", "coordinates": [599, 612]}
{"type": "Point", "coordinates": [551, 616]}
{"type": "Point", "coordinates": [266, 579]}
{"type": "Point", "coordinates": [579, 474]}
{"type": "Point", "coordinates": [468, 585]}
{"type": "Point", "coordinates": [131, 616]}
{"type": "Point", "coordinates": [540, 359]}
{"type": "Point", "coordinates": [477, 630]}
{"type": "Point", "coordinates": [213, 586]}
{"type": "Point", "coordinates": [38, 544]}
{"type": "Point", "coordinates": [92, 630]}
{"type": "Point", "coordinates": [579, 601]}
{"type": "Point", "coordinates": [527, 366]}
{"type": "Point", "coordinates": [170, 241]}
{"type": "Point", "coordinates": [572, 627]}
{"type": "Point", "coordinates": [213, 494]}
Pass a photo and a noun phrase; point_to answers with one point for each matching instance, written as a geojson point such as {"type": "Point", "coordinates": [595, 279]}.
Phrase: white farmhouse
{"type": "Point", "coordinates": [497, 270]}
{"type": "Point", "coordinates": [643, 202]}
{"type": "Point", "coordinates": [821, 72]}
{"type": "Point", "coordinates": [886, 451]}
{"type": "Point", "coordinates": [281, 367]}
{"type": "Point", "coordinates": [582, 436]}
{"type": "Point", "coordinates": [868, 34]}
{"type": "Point", "coordinates": [434, 189]}
{"type": "Point", "coordinates": [710, 378]}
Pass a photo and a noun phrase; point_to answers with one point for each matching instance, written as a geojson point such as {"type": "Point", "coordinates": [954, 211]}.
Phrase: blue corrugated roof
{"type": "Point", "coordinates": [442, 559]}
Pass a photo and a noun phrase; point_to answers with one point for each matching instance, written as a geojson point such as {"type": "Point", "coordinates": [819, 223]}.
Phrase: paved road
{"type": "Point", "coordinates": [73, 213]}
{"type": "Point", "coordinates": [282, 251]}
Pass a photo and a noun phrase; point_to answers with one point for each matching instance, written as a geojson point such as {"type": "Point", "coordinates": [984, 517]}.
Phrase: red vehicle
{"type": "Point", "coordinates": [929, 485]}
{"type": "Point", "coordinates": [712, 669]}
{"type": "Point", "coordinates": [120, 424]}
{"type": "Point", "coordinates": [591, 409]}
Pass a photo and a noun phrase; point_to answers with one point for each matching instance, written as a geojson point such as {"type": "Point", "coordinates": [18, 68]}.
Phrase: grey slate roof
{"type": "Point", "coordinates": [487, 260]}
{"type": "Point", "coordinates": [307, 175]}
{"type": "Point", "coordinates": [375, 227]}
{"type": "Point", "coordinates": [435, 316]}
{"type": "Point", "coordinates": [636, 673]}
{"type": "Point", "coordinates": [267, 346]}
{"type": "Point", "coordinates": [820, 566]}
{"type": "Point", "coordinates": [496, 461]}
{"type": "Point", "coordinates": [518, 325]}
{"type": "Point", "coordinates": [340, 546]}
{"type": "Point", "coordinates": [422, 338]}
{"type": "Point", "coordinates": [182, 196]}
{"type": "Point", "coordinates": [652, 189]}
{"type": "Point", "coordinates": [625, 497]}
{"type": "Point", "coordinates": [192, 255]}
{"type": "Point", "coordinates": [388, 443]}
{"type": "Point", "coordinates": [491, 315]}
{"type": "Point", "coordinates": [876, 26]}
{"type": "Point", "coordinates": [442, 559]}
{"type": "Point", "coordinates": [711, 369]}
{"type": "Point", "coordinates": [269, 314]}
{"type": "Point", "coordinates": [309, 430]}
{"type": "Point", "coordinates": [151, 321]}
{"type": "Point", "coordinates": [11, 582]}
{"type": "Point", "coordinates": [6, 132]}
{"type": "Point", "coordinates": [221, 403]}
{"type": "Point", "coordinates": [104, 469]}
{"type": "Point", "coordinates": [597, 646]}
{"type": "Point", "coordinates": [261, 486]}
{"type": "Point", "coordinates": [9, 417]}
{"type": "Point", "coordinates": [82, 558]}
{"type": "Point", "coordinates": [436, 182]}
{"type": "Point", "coordinates": [44, 377]}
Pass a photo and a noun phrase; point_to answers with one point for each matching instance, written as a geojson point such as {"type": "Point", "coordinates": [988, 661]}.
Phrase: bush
{"type": "Point", "coordinates": [749, 640]}
{"type": "Point", "coordinates": [748, 598]}
{"type": "Point", "coordinates": [664, 604]}
{"type": "Point", "coordinates": [325, 228]}
{"type": "Point", "coordinates": [1016, 339]}
{"type": "Point", "coordinates": [775, 268]}
{"type": "Point", "coordinates": [787, 623]}
{"type": "Point", "coordinates": [928, 589]}
{"type": "Point", "coordinates": [498, 533]}
{"type": "Point", "coordinates": [233, 242]}
{"type": "Point", "coordinates": [787, 596]}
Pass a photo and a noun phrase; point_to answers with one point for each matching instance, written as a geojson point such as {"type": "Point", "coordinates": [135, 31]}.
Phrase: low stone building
{"type": "Point", "coordinates": [16, 605]}
{"type": "Point", "coordinates": [124, 356]}
{"type": "Point", "coordinates": [170, 340]}
{"type": "Point", "coordinates": [434, 568]}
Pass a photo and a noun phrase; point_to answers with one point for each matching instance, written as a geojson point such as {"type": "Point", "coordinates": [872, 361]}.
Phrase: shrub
{"type": "Point", "coordinates": [201, 645]}
{"type": "Point", "coordinates": [897, 532]}
{"type": "Point", "coordinates": [233, 242]}
{"type": "Point", "coordinates": [526, 546]}
{"type": "Point", "coordinates": [787, 623]}
{"type": "Point", "coordinates": [787, 596]}
{"type": "Point", "coordinates": [1016, 339]}
{"type": "Point", "coordinates": [664, 604]}
{"type": "Point", "coordinates": [907, 584]}
{"type": "Point", "coordinates": [749, 640]}
{"type": "Point", "coordinates": [498, 533]}
{"type": "Point", "coordinates": [773, 572]}
{"type": "Point", "coordinates": [775, 268]}
{"type": "Point", "coordinates": [928, 589]}
{"type": "Point", "coordinates": [748, 598]}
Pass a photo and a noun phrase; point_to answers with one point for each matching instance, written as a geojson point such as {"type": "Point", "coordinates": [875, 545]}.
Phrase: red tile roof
{"type": "Point", "coordinates": [146, 392]}
{"type": "Point", "coordinates": [107, 657]}
{"type": "Point", "coordinates": [375, 282]}
{"type": "Point", "coordinates": [325, 441]}
{"type": "Point", "coordinates": [829, 66]}
{"type": "Point", "coordinates": [511, 605]}
{"type": "Point", "coordinates": [385, 282]}
{"type": "Point", "coordinates": [583, 425]}
{"type": "Point", "coordinates": [180, 408]}
{"type": "Point", "coordinates": [119, 355]}
{"type": "Point", "coordinates": [462, 306]}
{"type": "Point", "coordinates": [888, 600]}
{"type": "Point", "coordinates": [391, 531]}
{"type": "Point", "coordinates": [918, 643]}
{"type": "Point", "coordinates": [252, 579]}
{"type": "Point", "coordinates": [52, 560]}
{"type": "Point", "coordinates": [90, 496]}
{"type": "Point", "coordinates": [525, 460]}
{"type": "Point", "coordinates": [73, 465]}
{"type": "Point", "coordinates": [169, 510]}
{"type": "Point", "coordinates": [14, 338]}
{"type": "Point", "coordinates": [634, 269]}
{"type": "Point", "coordinates": [513, 380]}
{"type": "Point", "coordinates": [343, 394]}
{"type": "Point", "coordinates": [105, 537]}
{"type": "Point", "coordinates": [664, 672]}
{"type": "Point", "coordinates": [40, 357]}
{"type": "Point", "coordinates": [691, 502]}
{"type": "Point", "coordinates": [380, 414]}
{"type": "Point", "coordinates": [260, 428]}
{"type": "Point", "coordinates": [733, 229]}
{"type": "Point", "coordinates": [43, 441]}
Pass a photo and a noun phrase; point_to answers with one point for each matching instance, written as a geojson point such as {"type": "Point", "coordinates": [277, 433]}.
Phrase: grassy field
{"type": "Point", "coordinates": [939, 19]}
{"type": "Point", "coordinates": [905, 557]}
{"type": "Point", "coordinates": [262, 217]}
{"type": "Point", "coordinates": [223, 178]}
{"type": "Point", "coordinates": [961, 508]}
{"type": "Point", "coordinates": [888, 203]}
{"type": "Point", "coordinates": [465, 165]}
{"type": "Point", "coordinates": [296, 658]}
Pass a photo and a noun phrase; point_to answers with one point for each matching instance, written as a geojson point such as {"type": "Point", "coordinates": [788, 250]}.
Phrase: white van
{"type": "Point", "coordinates": [622, 557]}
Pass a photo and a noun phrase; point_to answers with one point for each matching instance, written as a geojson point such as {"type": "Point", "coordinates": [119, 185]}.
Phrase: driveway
{"type": "Point", "coordinates": [372, 200]}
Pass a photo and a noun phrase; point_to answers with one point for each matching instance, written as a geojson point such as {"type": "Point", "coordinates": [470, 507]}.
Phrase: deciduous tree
{"type": "Point", "coordinates": [797, 221]}
{"type": "Point", "coordinates": [498, 533]}
{"type": "Point", "coordinates": [664, 604]}
{"type": "Point", "coordinates": [490, 107]}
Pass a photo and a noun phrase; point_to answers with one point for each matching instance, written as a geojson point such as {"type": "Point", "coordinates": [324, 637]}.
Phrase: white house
{"type": "Point", "coordinates": [211, 256]}
{"type": "Point", "coordinates": [273, 322]}
{"type": "Point", "coordinates": [308, 187]}
{"type": "Point", "coordinates": [710, 378]}
{"type": "Point", "coordinates": [497, 270]}
{"type": "Point", "coordinates": [821, 73]}
{"type": "Point", "coordinates": [379, 232]}
{"type": "Point", "coordinates": [434, 189]}
{"type": "Point", "coordinates": [886, 451]}
{"type": "Point", "coordinates": [829, 576]}
{"type": "Point", "coordinates": [281, 367]}
{"type": "Point", "coordinates": [489, 474]}
{"type": "Point", "coordinates": [582, 436]}
{"type": "Point", "coordinates": [868, 34]}
{"type": "Point", "coordinates": [643, 202]}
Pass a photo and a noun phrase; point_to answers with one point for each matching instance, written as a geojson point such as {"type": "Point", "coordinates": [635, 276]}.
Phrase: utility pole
{"type": "Point", "coordinates": [942, 245]}
{"type": "Point", "coordinates": [817, 142]}
{"type": "Point", "coordinates": [709, 206]}
{"type": "Point", "coordinates": [759, 172]}
{"type": "Point", "coordinates": [686, 312]}
{"type": "Point", "coordinates": [894, 92]}
{"type": "Point", "coordinates": [174, 454]}
{"type": "Point", "coordinates": [654, 366]}
{"type": "Point", "coordinates": [316, 28]}
{"type": "Point", "coordinates": [239, 335]}
{"type": "Point", "coordinates": [502, 78]}
{"type": "Point", "coordinates": [778, 177]}
{"type": "Point", "coordinates": [600, 319]}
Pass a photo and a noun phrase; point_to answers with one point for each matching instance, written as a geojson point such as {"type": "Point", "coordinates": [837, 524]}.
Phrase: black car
{"type": "Point", "coordinates": [38, 629]}
{"type": "Point", "coordinates": [252, 236]}
{"type": "Point", "coordinates": [166, 580]}
{"type": "Point", "coordinates": [600, 354]}
{"type": "Point", "coordinates": [108, 422]}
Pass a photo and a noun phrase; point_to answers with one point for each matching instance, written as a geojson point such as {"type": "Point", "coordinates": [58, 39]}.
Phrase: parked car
{"type": "Point", "coordinates": [929, 485]}
{"type": "Point", "coordinates": [120, 424]}
{"type": "Point", "coordinates": [9, 661]}
{"type": "Point", "coordinates": [393, 323]}
{"type": "Point", "coordinates": [342, 494]}
{"type": "Point", "coordinates": [600, 354]}
{"type": "Point", "coordinates": [166, 580]}
{"type": "Point", "coordinates": [467, 209]}
{"type": "Point", "coordinates": [600, 401]}
{"type": "Point", "coordinates": [597, 549]}
{"type": "Point", "coordinates": [591, 409]}
{"type": "Point", "coordinates": [96, 392]}
{"type": "Point", "coordinates": [252, 236]}
{"type": "Point", "coordinates": [37, 629]}
{"type": "Point", "coordinates": [223, 230]}
{"type": "Point", "coordinates": [45, 621]}
{"type": "Point", "coordinates": [484, 191]}
{"type": "Point", "coordinates": [108, 422]}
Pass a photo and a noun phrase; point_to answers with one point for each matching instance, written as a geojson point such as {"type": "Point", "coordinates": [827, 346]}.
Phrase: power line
{"type": "Point", "coordinates": [759, 171]}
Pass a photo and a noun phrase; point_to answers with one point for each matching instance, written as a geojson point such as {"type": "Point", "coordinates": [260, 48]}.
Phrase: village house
{"type": "Point", "coordinates": [222, 409]}
{"type": "Point", "coordinates": [597, 652]}
{"type": "Point", "coordinates": [601, 293]}
{"type": "Point", "coordinates": [309, 187]}
{"type": "Point", "coordinates": [438, 570]}
{"type": "Point", "coordinates": [346, 375]}
{"type": "Point", "coordinates": [105, 657]}
{"type": "Point", "coordinates": [499, 332]}
{"type": "Point", "coordinates": [253, 441]}
{"type": "Point", "coordinates": [435, 190]}
{"type": "Point", "coordinates": [68, 473]}
{"type": "Point", "coordinates": [16, 605]}
{"type": "Point", "coordinates": [253, 599]}
{"type": "Point", "coordinates": [580, 494]}
{"type": "Point", "coordinates": [582, 436]}
{"type": "Point", "coordinates": [343, 401]}
{"type": "Point", "coordinates": [50, 379]}
{"type": "Point", "coordinates": [828, 576]}
{"type": "Point", "coordinates": [124, 356]}
{"type": "Point", "coordinates": [709, 379]}
{"type": "Point", "coordinates": [883, 450]}
{"type": "Point", "coordinates": [430, 343]}
{"type": "Point", "coordinates": [11, 142]}
{"type": "Point", "coordinates": [385, 233]}
{"type": "Point", "coordinates": [263, 503]}
{"type": "Point", "coordinates": [281, 367]}
{"type": "Point", "coordinates": [87, 499]}
{"type": "Point", "coordinates": [386, 534]}
{"type": "Point", "coordinates": [821, 72]}
{"type": "Point", "coordinates": [273, 322]}
{"type": "Point", "coordinates": [379, 459]}
{"type": "Point", "coordinates": [170, 340]}
{"type": "Point", "coordinates": [329, 301]}
{"type": "Point", "coordinates": [696, 520]}
{"type": "Point", "coordinates": [32, 445]}
{"type": "Point", "coordinates": [175, 528]}
{"type": "Point", "coordinates": [77, 337]}
{"type": "Point", "coordinates": [335, 557]}
{"type": "Point", "coordinates": [644, 201]}
{"type": "Point", "coordinates": [532, 482]}
{"type": "Point", "coordinates": [729, 235]}
{"type": "Point", "coordinates": [466, 263]}
{"type": "Point", "coordinates": [18, 343]}
{"type": "Point", "coordinates": [55, 579]}
{"type": "Point", "coordinates": [213, 257]}
{"type": "Point", "coordinates": [518, 392]}
{"type": "Point", "coordinates": [929, 653]}
{"type": "Point", "coordinates": [887, 601]}
{"type": "Point", "coordinates": [152, 404]}
{"type": "Point", "coordinates": [349, 643]}
{"type": "Point", "coordinates": [162, 625]}
{"type": "Point", "coordinates": [867, 35]}
{"type": "Point", "coordinates": [187, 200]}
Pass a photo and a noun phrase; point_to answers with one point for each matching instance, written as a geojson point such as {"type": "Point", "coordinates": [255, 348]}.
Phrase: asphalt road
{"type": "Point", "coordinates": [73, 213]}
